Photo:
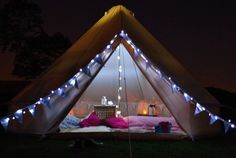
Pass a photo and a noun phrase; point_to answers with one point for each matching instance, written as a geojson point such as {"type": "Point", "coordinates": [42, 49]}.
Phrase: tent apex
{"type": "Point", "coordinates": [119, 8]}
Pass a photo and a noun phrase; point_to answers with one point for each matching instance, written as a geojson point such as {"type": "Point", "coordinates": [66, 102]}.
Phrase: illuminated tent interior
{"type": "Point", "coordinates": [90, 69]}
{"type": "Point", "coordinates": [133, 84]}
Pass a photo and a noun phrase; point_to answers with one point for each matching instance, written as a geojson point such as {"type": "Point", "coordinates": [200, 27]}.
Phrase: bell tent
{"type": "Point", "coordinates": [117, 58]}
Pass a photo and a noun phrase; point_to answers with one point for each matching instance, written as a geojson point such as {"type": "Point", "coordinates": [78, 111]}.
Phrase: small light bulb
{"type": "Point", "coordinates": [23, 112]}
{"type": "Point", "coordinates": [118, 57]}
{"type": "Point", "coordinates": [119, 97]}
{"type": "Point", "coordinates": [52, 92]}
{"type": "Point", "coordinates": [92, 61]}
{"type": "Point", "coordinates": [111, 41]}
{"type": "Point", "coordinates": [232, 126]}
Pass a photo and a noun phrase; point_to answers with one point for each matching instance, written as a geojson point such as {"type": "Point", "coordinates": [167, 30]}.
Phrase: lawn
{"type": "Point", "coordinates": [23, 146]}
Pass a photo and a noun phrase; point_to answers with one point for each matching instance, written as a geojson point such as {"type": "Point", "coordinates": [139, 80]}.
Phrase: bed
{"type": "Point", "coordinates": [136, 124]}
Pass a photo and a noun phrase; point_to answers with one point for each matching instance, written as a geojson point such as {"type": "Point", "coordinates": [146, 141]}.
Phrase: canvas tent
{"type": "Point", "coordinates": [77, 68]}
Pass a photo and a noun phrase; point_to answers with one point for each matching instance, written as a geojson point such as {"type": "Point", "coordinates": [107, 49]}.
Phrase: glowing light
{"type": "Point", "coordinates": [143, 57]}
{"type": "Point", "coordinates": [120, 88]}
{"type": "Point", "coordinates": [108, 46]}
{"type": "Point", "coordinates": [52, 92]}
{"type": "Point", "coordinates": [169, 78]}
{"type": "Point", "coordinates": [119, 97]}
{"type": "Point", "coordinates": [111, 41]}
{"type": "Point", "coordinates": [129, 41]}
{"type": "Point", "coordinates": [23, 112]}
{"type": "Point", "coordinates": [97, 55]}
{"type": "Point", "coordinates": [38, 102]}
{"type": "Point", "coordinates": [120, 68]}
{"type": "Point", "coordinates": [80, 70]}
{"type": "Point", "coordinates": [13, 118]}
{"type": "Point", "coordinates": [118, 113]}
{"type": "Point", "coordinates": [92, 61]}
{"type": "Point", "coordinates": [118, 57]}
{"type": "Point", "coordinates": [229, 121]}
{"type": "Point", "coordinates": [232, 126]}
{"type": "Point", "coordinates": [19, 111]}
{"type": "Point", "coordinates": [144, 111]}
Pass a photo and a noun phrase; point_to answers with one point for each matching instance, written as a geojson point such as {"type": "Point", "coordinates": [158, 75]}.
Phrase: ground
{"type": "Point", "coordinates": [25, 146]}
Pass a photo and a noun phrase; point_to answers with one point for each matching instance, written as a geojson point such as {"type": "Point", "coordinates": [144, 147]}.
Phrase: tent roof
{"type": "Point", "coordinates": [93, 41]}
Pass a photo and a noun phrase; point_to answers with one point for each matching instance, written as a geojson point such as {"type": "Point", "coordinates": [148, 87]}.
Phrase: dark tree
{"type": "Point", "coordinates": [21, 32]}
{"type": "Point", "coordinates": [39, 54]}
{"type": "Point", "coordinates": [20, 20]}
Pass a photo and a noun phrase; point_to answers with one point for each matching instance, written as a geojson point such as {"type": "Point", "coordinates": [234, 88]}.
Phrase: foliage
{"type": "Point", "coordinates": [20, 20]}
{"type": "Point", "coordinates": [39, 54]}
{"type": "Point", "coordinates": [21, 32]}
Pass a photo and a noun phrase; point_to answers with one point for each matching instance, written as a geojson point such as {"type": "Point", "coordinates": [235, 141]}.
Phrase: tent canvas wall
{"type": "Point", "coordinates": [93, 45]}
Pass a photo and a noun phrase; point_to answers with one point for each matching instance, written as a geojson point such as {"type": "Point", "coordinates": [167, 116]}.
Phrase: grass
{"type": "Point", "coordinates": [22, 146]}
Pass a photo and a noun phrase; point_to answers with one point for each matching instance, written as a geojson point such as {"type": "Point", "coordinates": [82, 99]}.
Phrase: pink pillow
{"type": "Point", "coordinates": [116, 122]}
{"type": "Point", "coordinates": [92, 120]}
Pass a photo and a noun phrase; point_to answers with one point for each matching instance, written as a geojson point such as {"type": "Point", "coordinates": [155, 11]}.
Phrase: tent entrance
{"type": "Point", "coordinates": [121, 81]}
{"type": "Point", "coordinates": [124, 85]}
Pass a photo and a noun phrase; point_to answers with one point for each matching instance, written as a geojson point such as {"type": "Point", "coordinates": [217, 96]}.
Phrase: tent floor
{"type": "Point", "coordinates": [119, 136]}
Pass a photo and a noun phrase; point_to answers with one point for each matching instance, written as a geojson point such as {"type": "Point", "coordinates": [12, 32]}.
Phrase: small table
{"type": "Point", "coordinates": [105, 112]}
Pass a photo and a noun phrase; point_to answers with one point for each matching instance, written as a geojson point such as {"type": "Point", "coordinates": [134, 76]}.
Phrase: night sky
{"type": "Point", "coordinates": [201, 35]}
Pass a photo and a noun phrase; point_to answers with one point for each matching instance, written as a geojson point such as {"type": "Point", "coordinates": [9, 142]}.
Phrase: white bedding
{"type": "Point", "coordinates": [87, 129]}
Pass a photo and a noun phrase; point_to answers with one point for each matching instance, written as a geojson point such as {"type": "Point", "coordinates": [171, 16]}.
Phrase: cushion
{"type": "Point", "coordinates": [116, 122]}
{"type": "Point", "coordinates": [91, 120]}
{"type": "Point", "coordinates": [70, 122]}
